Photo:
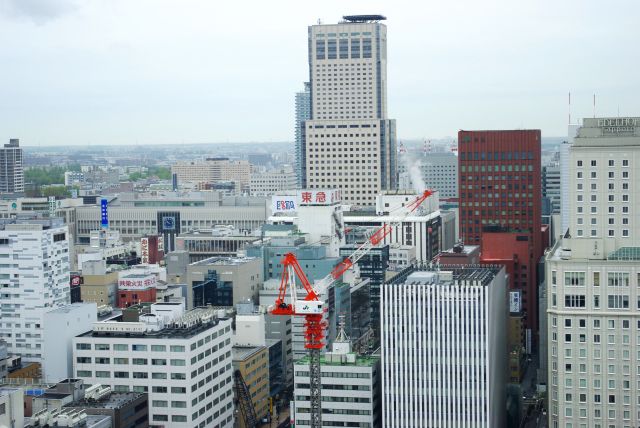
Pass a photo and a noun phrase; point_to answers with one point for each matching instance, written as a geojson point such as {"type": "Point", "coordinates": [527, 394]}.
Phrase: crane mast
{"type": "Point", "coordinates": [312, 308]}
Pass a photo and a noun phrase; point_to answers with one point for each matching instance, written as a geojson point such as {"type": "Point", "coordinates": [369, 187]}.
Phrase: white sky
{"type": "Point", "coordinates": [166, 71]}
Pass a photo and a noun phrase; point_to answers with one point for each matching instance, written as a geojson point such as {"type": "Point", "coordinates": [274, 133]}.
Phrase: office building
{"type": "Point", "coordinates": [593, 282]}
{"type": "Point", "coordinates": [11, 168]}
{"type": "Point", "coordinates": [443, 348]}
{"type": "Point", "coordinates": [184, 365]}
{"type": "Point", "coordinates": [223, 281]}
{"type": "Point", "coordinates": [551, 187]}
{"type": "Point", "coordinates": [439, 171]}
{"type": "Point", "coordinates": [373, 266]}
{"type": "Point", "coordinates": [213, 170]}
{"type": "Point", "coordinates": [349, 143]}
{"type": "Point", "coordinates": [223, 241]}
{"type": "Point", "coordinates": [350, 388]}
{"type": "Point", "coordinates": [253, 364]}
{"type": "Point", "coordinates": [303, 113]}
{"type": "Point", "coordinates": [500, 193]}
{"type": "Point", "coordinates": [269, 183]}
{"type": "Point", "coordinates": [34, 278]}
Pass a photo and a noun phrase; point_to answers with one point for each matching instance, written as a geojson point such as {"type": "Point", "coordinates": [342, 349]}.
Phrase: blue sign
{"type": "Point", "coordinates": [168, 223]}
{"type": "Point", "coordinates": [104, 216]}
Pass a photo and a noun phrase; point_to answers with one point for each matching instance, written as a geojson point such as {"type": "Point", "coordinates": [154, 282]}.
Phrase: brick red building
{"type": "Point", "coordinates": [500, 205]}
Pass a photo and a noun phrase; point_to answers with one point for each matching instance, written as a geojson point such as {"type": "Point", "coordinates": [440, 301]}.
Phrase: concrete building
{"type": "Point", "coordinates": [11, 168]}
{"type": "Point", "coordinates": [213, 170]}
{"type": "Point", "coordinates": [34, 255]}
{"type": "Point", "coordinates": [421, 229]}
{"type": "Point", "coordinates": [253, 364]}
{"type": "Point", "coordinates": [223, 281]}
{"type": "Point", "coordinates": [169, 214]}
{"type": "Point", "coordinates": [439, 171]}
{"type": "Point", "coordinates": [500, 183]}
{"type": "Point", "coordinates": [125, 409]}
{"type": "Point", "coordinates": [551, 187]}
{"type": "Point", "coordinates": [349, 143]}
{"type": "Point", "coordinates": [351, 394]}
{"type": "Point", "coordinates": [592, 282]}
{"type": "Point", "coordinates": [451, 324]}
{"type": "Point", "coordinates": [271, 182]}
{"type": "Point", "coordinates": [303, 113]}
{"type": "Point", "coordinates": [220, 241]}
{"type": "Point", "coordinates": [99, 285]}
{"type": "Point", "coordinates": [184, 365]}
{"type": "Point", "coordinates": [60, 326]}
{"type": "Point", "coordinates": [12, 406]}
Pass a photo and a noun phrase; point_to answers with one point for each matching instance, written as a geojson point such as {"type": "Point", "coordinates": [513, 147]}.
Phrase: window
{"type": "Point", "coordinates": [159, 403]}
{"type": "Point", "coordinates": [574, 301]}
{"type": "Point", "coordinates": [158, 362]}
{"type": "Point", "coordinates": [83, 346]}
{"type": "Point", "coordinates": [177, 362]}
{"type": "Point", "coordinates": [158, 375]}
{"type": "Point", "coordinates": [176, 348]}
{"type": "Point", "coordinates": [103, 360]}
{"type": "Point", "coordinates": [618, 279]}
{"type": "Point", "coordinates": [159, 389]}
{"type": "Point", "coordinates": [139, 348]}
{"type": "Point", "coordinates": [618, 301]}
{"type": "Point", "coordinates": [101, 346]}
{"type": "Point", "coordinates": [574, 278]}
{"type": "Point", "coordinates": [120, 347]}
{"type": "Point", "coordinates": [158, 348]}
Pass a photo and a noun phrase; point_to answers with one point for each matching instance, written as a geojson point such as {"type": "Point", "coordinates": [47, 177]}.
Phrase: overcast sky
{"type": "Point", "coordinates": [166, 71]}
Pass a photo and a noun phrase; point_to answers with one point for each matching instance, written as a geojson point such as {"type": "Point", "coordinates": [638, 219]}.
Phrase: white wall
{"type": "Point", "coordinates": [60, 326]}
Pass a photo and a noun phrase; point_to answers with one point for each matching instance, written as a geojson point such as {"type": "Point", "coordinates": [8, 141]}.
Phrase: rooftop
{"type": "Point", "coordinates": [243, 353]}
{"type": "Point", "coordinates": [361, 360]}
{"type": "Point", "coordinates": [364, 18]}
{"type": "Point", "coordinates": [625, 253]}
{"type": "Point", "coordinates": [447, 274]}
{"type": "Point", "coordinates": [224, 261]}
{"type": "Point", "coordinates": [115, 400]}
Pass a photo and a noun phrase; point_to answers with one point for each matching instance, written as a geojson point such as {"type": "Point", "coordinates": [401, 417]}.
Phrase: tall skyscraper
{"type": "Point", "coordinates": [11, 168]}
{"type": "Point", "coordinates": [34, 277]}
{"type": "Point", "coordinates": [593, 282]}
{"type": "Point", "coordinates": [303, 113]}
{"type": "Point", "coordinates": [499, 193]}
{"type": "Point", "coordinates": [349, 143]}
{"type": "Point", "coordinates": [443, 348]}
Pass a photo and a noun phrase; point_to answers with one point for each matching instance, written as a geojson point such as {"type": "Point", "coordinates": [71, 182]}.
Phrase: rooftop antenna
{"type": "Point", "coordinates": [594, 106]}
{"type": "Point", "coordinates": [569, 107]}
{"type": "Point", "coordinates": [319, 21]}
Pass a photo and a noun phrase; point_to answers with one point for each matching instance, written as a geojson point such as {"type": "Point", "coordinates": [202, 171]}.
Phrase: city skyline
{"type": "Point", "coordinates": [117, 84]}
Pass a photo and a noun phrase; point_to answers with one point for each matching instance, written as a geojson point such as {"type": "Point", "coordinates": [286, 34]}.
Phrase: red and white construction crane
{"type": "Point", "coordinates": [312, 308]}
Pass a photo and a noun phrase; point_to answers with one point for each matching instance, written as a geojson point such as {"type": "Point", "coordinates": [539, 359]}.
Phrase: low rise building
{"type": "Point", "coordinates": [350, 388]}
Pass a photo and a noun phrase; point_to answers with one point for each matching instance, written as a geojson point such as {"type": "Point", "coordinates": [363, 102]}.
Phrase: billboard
{"type": "Point", "coordinates": [320, 197]}
{"type": "Point", "coordinates": [104, 216]}
{"type": "Point", "coordinates": [515, 302]}
{"type": "Point", "coordinates": [137, 282]}
{"type": "Point", "coordinates": [284, 204]}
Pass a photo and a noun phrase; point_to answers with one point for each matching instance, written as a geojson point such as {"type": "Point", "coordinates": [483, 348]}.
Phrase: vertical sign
{"type": "Point", "coordinates": [104, 216]}
{"type": "Point", "coordinates": [144, 250]}
{"type": "Point", "coordinates": [52, 206]}
{"type": "Point", "coordinates": [160, 243]}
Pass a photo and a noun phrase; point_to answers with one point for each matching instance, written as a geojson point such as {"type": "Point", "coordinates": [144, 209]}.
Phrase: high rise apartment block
{"type": "Point", "coordinates": [349, 142]}
{"type": "Point", "coordinates": [443, 348]}
{"type": "Point", "coordinates": [34, 278]}
{"type": "Point", "coordinates": [593, 282]}
{"type": "Point", "coordinates": [439, 171]}
{"type": "Point", "coordinates": [11, 168]}
{"type": "Point", "coordinates": [499, 179]}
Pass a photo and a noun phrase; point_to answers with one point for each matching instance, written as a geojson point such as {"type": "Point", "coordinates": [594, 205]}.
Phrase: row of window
{"type": "Point", "coordinates": [611, 162]}
{"type": "Point", "coordinates": [578, 279]}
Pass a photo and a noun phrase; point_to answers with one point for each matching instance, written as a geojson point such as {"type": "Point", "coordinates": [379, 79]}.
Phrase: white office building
{"type": "Point", "coordinates": [349, 142]}
{"type": "Point", "coordinates": [593, 283]}
{"type": "Point", "coordinates": [438, 171]}
{"type": "Point", "coordinates": [350, 386]}
{"type": "Point", "coordinates": [270, 182]}
{"type": "Point", "coordinates": [34, 278]}
{"type": "Point", "coordinates": [444, 348]}
{"type": "Point", "coordinates": [11, 168]}
{"type": "Point", "coordinates": [184, 365]}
